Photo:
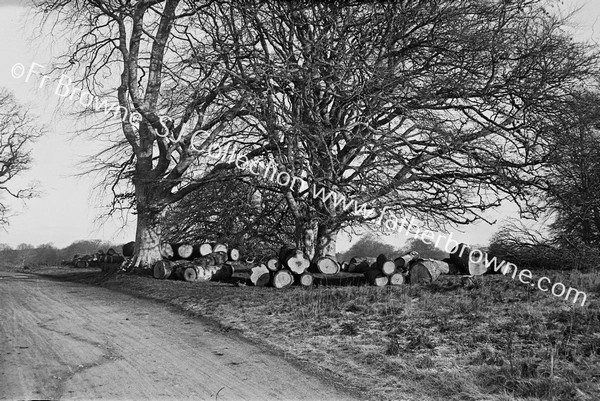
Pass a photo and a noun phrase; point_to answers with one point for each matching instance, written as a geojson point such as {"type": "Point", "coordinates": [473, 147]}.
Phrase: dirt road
{"type": "Point", "coordinates": [61, 340]}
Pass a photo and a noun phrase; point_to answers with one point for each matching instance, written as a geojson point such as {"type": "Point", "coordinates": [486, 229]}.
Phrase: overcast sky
{"type": "Point", "coordinates": [66, 210]}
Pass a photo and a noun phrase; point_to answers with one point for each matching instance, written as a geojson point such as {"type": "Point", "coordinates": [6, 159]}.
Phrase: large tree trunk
{"type": "Point", "coordinates": [306, 238]}
{"type": "Point", "coordinates": [147, 239]}
{"type": "Point", "coordinates": [326, 241]}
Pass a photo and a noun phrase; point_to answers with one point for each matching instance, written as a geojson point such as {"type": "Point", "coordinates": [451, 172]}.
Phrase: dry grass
{"type": "Point", "coordinates": [495, 340]}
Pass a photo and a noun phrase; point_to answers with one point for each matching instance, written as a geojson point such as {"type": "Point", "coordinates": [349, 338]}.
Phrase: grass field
{"type": "Point", "coordinates": [495, 340]}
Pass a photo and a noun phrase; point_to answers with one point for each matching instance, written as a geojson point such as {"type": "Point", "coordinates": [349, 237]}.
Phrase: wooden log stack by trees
{"type": "Point", "coordinates": [384, 271]}
{"type": "Point", "coordinates": [186, 251]}
{"type": "Point", "coordinates": [200, 262]}
{"type": "Point", "coordinates": [102, 259]}
{"type": "Point", "coordinates": [410, 269]}
{"type": "Point", "coordinates": [289, 267]}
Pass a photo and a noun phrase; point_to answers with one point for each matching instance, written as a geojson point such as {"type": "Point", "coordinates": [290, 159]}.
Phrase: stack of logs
{"type": "Point", "coordinates": [411, 269]}
{"type": "Point", "coordinates": [97, 259]}
{"type": "Point", "coordinates": [204, 262]}
{"type": "Point", "coordinates": [383, 271]}
{"type": "Point", "coordinates": [291, 266]}
{"type": "Point", "coordinates": [201, 262]}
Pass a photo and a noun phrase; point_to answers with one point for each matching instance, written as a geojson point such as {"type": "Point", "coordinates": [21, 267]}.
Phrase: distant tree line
{"type": "Point", "coordinates": [48, 254]}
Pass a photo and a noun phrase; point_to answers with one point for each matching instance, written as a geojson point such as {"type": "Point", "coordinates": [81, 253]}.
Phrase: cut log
{"type": "Point", "coordinates": [468, 261]}
{"type": "Point", "coordinates": [294, 259]}
{"type": "Point", "coordinates": [190, 273]}
{"type": "Point", "coordinates": [282, 279]}
{"type": "Point", "coordinates": [223, 272]}
{"type": "Point", "coordinates": [359, 265]}
{"type": "Point", "coordinates": [111, 252]}
{"type": "Point", "coordinates": [162, 269]}
{"type": "Point", "coordinates": [128, 249]}
{"type": "Point", "coordinates": [204, 249]}
{"type": "Point", "coordinates": [81, 264]}
{"type": "Point", "coordinates": [403, 261]}
{"type": "Point", "coordinates": [460, 258]}
{"type": "Point", "coordinates": [205, 273]}
{"type": "Point", "coordinates": [116, 258]}
{"type": "Point", "coordinates": [234, 254]}
{"type": "Point", "coordinates": [273, 264]}
{"type": "Point", "coordinates": [166, 251]}
{"type": "Point", "coordinates": [219, 248]}
{"type": "Point", "coordinates": [185, 251]}
{"type": "Point", "coordinates": [426, 271]}
{"type": "Point", "coordinates": [326, 265]}
{"type": "Point", "coordinates": [344, 266]}
{"type": "Point", "coordinates": [376, 277]}
{"type": "Point", "coordinates": [386, 266]}
{"type": "Point", "coordinates": [477, 262]}
{"type": "Point", "coordinates": [397, 279]}
{"type": "Point", "coordinates": [260, 276]}
{"type": "Point", "coordinates": [304, 279]}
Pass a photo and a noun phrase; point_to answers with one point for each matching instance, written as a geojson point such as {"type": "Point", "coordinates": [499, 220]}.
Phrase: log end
{"type": "Point", "coordinates": [190, 274]}
{"type": "Point", "coordinates": [282, 279]}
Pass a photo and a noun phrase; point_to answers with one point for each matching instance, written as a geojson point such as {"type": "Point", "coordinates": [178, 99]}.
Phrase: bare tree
{"type": "Point", "coordinates": [438, 109]}
{"type": "Point", "coordinates": [17, 132]}
{"type": "Point", "coordinates": [174, 97]}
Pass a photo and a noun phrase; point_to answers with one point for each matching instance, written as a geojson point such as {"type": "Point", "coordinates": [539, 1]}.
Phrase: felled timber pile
{"type": "Point", "coordinates": [186, 251]}
{"type": "Point", "coordinates": [98, 259]}
{"type": "Point", "coordinates": [383, 271]}
{"type": "Point", "coordinates": [291, 266]}
{"type": "Point", "coordinates": [411, 269]}
{"type": "Point", "coordinates": [462, 261]}
{"type": "Point", "coordinates": [202, 262]}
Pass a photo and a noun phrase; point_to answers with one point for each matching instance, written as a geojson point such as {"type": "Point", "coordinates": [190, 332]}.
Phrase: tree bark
{"type": "Point", "coordinates": [306, 238]}
{"type": "Point", "coordinates": [326, 241]}
{"type": "Point", "coordinates": [147, 236]}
